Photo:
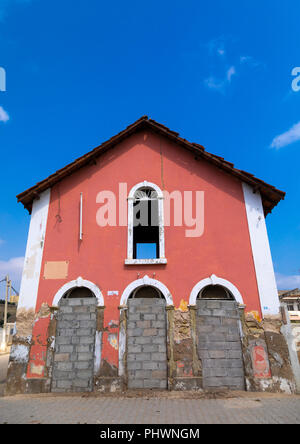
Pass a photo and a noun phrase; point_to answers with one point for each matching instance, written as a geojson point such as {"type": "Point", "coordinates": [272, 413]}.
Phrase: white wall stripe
{"type": "Point", "coordinates": [265, 276]}
{"type": "Point", "coordinates": [34, 252]}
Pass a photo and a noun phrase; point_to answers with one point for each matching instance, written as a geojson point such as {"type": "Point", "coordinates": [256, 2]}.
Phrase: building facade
{"type": "Point", "coordinates": [148, 266]}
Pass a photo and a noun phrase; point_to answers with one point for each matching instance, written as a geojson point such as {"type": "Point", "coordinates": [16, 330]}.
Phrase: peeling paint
{"type": "Point", "coordinates": [24, 323]}
{"type": "Point", "coordinates": [113, 340]}
{"type": "Point", "coordinates": [19, 353]}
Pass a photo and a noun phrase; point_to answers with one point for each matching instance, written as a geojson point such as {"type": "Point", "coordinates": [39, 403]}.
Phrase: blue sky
{"type": "Point", "coordinates": [217, 72]}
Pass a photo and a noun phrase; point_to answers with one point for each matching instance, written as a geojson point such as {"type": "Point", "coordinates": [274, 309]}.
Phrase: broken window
{"type": "Point", "coordinates": [215, 292]}
{"type": "Point", "coordinates": [146, 291]}
{"type": "Point", "coordinates": [145, 224]}
{"type": "Point", "coordinates": [78, 292]}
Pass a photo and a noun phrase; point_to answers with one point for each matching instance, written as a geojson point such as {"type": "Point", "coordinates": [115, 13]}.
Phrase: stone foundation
{"type": "Point", "coordinates": [213, 345]}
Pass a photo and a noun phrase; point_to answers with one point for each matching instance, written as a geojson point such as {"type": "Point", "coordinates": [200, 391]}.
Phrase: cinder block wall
{"type": "Point", "coordinates": [73, 365]}
{"type": "Point", "coordinates": [219, 344]}
{"type": "Point", "coordinates": [147, 343]}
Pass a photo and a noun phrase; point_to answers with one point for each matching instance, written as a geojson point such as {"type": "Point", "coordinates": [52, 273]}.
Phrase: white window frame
{"type": "Point", "coordinates": [131, 197]}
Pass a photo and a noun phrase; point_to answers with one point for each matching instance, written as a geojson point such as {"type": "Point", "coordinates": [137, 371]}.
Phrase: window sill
{"type": "Point", "coordinates": [145, 261]}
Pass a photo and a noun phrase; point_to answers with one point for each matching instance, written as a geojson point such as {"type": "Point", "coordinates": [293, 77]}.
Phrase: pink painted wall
{"type": "Point", "coordinates": [223, 250]}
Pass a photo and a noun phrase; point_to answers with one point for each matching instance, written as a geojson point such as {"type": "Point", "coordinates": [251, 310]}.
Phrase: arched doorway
{"type": "Point", "coordinates": [146, 341]}
{"type": "Point", "coordinates": [75, 355]}
{"type": "Point", "coordinates": [218, 333]}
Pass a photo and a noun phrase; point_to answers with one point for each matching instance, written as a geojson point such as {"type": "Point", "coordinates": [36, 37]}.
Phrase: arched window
{"type": "Point", "coordinates": [146, 243]}
{"type": "Point", "coordinates": [147, 292]}
{"type": "Point", "coordinates": [78, 292]}
{"type": "Point", "coordinates": [215, 292]}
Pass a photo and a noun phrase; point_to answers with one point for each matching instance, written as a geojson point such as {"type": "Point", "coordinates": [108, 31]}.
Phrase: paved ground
{"type": "Point", "coordinates": [147, 408]}
{"type": "Point", "coordinates": [165, 409]}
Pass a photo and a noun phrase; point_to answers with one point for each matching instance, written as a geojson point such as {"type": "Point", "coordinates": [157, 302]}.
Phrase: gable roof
{"type": "Point", "coordinates": [270, 195]}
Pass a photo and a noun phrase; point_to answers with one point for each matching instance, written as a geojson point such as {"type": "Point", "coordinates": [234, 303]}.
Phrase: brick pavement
{"type": "Point", "coordinates": [167, 409]}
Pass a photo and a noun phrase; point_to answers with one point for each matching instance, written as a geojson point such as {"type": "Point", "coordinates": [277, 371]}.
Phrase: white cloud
{"type": "Point", "coordinates": [230, 73]}
{"type": "Point", "coordinates": [220, 84]}
{"type": "Point", "coordinates": [287, 282]}
{"type": "Point", "coordinates": [1, 241]}
{"type": "Point", "coordinates": [287, 138]}
{"type": "Point", "coordinates": [12, 267]}
{"type": "Point", "coordinates": [4, 117]}
{"type": "Point", "coordinates": [217, 46]}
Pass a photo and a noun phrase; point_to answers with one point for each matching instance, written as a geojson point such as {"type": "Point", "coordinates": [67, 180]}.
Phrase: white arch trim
{"type": "Point", "coordinates": [215, 280]}
{"type": "Point", "coordinates": [79, 282]}
{"type": "Point", "coordinates": [146, 281]}
{"type": "Point", "coordinates": [145, 184]}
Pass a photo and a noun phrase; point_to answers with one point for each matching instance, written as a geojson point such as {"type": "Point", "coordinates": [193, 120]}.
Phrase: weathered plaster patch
{"type": "Point", "coordinates": [113, 324]}
{"type": "Point", "coordinates": [182, 325]}
{"type": "Point", "coordinates": [43, 312]}
{"type": "Point", "coordinates": [19, 353]}
{"type": "Point", "coordinates": [36, 369]}
{"type": "Point", "coordinates": [24, 323]}
{"type": "Point", "coordinates": [183, 305]}
{"type": "Point", "coordinates": [56, 270]}
{"type": "Point", "coordinates": [113, 340]}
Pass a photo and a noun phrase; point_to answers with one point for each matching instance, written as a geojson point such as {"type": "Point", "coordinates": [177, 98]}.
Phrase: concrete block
{"type": "Point", "coordinates": [134, 365]}
{"type": "Point", "coordinates": [59, 357]}
{"type": "Point", "coordinates": [159, 374]}
{"type": "Point", "coordinates": [85, 356]}
{"type": "Point", "coordinates": [135, 383]}
{"type": "Point", "coordinates": [142, 357]}
{"type": "Point", "coordinates": [161, 340]}
{"type": "Point", "coordinates": [81, 309]}
{"type": "Point", "coordinates": [81, 383]}
{"type": "Point", "coordinates": [150, 365]}
{"type": "Point", "coordinates": [84, 332]}
{"type": "Point", "coordinates": [152, 383]}
{"type": "Point", "coordinates": [143, 324]}
{"type": "Point", "coordinates": [65, 348]}
{"type": "Point", "coordinates": [64, 366]}
{"type": "Point", "coordinates": [83, 348]}
{"type": "Point", "coordinates": [149, 317]}
{"type": "Point", "coordinates": [218, 354]}
{"type": "Point", "coordinates": [234, 372]}
{"type": "Point", "coordinates": [150, 348]}
{"type": "Point", "coordinates": [90, 301]}
{"type": "Point", "coordinates": [158, 324]}
{"type": "Point", "coordinates": [134, 332]}
{"type": "Point", "coordinates": [84, 374]}
{"type": "Point", "coordinates": [235, 354]}
{"type": "Point", "coordinates": [134, 348]}
{"type": "Point", "coordinates": [213, 304]}
{"type": "Point", "coordinates": [150, 332]}
{"type": "Point", "coordinates": [158, 356]}
{"type": "Point", "coordinates": [215, 372]}
{"type": "Point", "coordinates": [81, 365]}
{"type": "Point", "coordinates": [143, 374]}
{"type": "Point", "coordinates": [88, 324]}
{"type": "Point", "coordinates": [65, 384]}
{"type": "Point", "coordinates": [87, 340]}
{"type": "Point", "coordinates": [74, 302]}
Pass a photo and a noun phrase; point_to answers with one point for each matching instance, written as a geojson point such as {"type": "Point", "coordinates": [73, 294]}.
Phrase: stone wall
{"type": "Point", "coordinates": [147, 344]}
{"type": "Point", "coordinates": [219, 344]}
{"type": "Point", "coordinates": [212, 345]}
{"type": "Point", "coordinates": [73, 363]}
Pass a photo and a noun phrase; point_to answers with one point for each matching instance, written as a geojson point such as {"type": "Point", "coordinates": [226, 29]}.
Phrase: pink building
{"type": "Point", "coordinates": [148, 266]}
